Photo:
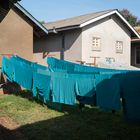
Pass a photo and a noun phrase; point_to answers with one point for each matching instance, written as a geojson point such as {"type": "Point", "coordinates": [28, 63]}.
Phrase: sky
{"type": "Point", "coordinates": [52, 10]}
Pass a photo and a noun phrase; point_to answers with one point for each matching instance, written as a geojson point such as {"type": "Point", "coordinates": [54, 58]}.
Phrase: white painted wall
{"type": "Point", "coordinates": [109, 30]}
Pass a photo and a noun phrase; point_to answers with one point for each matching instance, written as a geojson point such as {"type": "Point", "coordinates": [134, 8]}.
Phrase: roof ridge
{"type": "Point", "coordinates": [109, 10]}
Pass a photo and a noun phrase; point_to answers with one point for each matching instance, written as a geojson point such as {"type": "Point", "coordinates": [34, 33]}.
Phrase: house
{"type": "Point", "coordinates": [91, 38]}
{"type": "Point", "coordinates": [135, 50]}
{"type": "Point", "coordinates": [18, 32]}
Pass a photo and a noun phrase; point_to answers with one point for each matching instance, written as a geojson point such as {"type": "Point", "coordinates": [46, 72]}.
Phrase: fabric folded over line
{"type": "Point", "coordinates": [56, 64]}
{"type": "Point", "coordinates": [23, 75]}
{"type": "Point", "coordinates": [85, 87]}
{"type": "Point", "coordinates": [8, 68]}
{"type": "Point", "coordinates": [63, 90]}
{"type": "Point", "coordinates": [37, 67]}
{"type": "Point", "coordinates": [131, 98]}
{"type": "Point", "coordinates": [41, 86]}
{"type": "Point", "coordinates": [20, 59]}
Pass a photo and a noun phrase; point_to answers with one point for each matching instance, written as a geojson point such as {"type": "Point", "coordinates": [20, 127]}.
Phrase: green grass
{"type": "Point", "coordinates": [38, 122]}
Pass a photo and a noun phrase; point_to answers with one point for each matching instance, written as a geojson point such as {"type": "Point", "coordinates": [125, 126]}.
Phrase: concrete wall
{"type": "Point", "coordinates": [16, 36]}
{"type": "Point", "coordinates": [47, 46]}
{"type": "Point", "coordinates": [73, 43]}
{"type": "Point", "coordinates": [52, 45]}
{"type": "Point", "coordinates": [109, 30]}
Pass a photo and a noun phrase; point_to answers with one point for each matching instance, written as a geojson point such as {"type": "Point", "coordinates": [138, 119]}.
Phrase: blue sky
{"type": "Point", "coordinates": [51, 10]}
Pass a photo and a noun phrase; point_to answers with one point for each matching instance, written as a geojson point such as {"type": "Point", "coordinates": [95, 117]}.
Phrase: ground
{"type": "Point", "coordinates": [7, 130]}
{"type": "Point", "coordinates": [24, 118]}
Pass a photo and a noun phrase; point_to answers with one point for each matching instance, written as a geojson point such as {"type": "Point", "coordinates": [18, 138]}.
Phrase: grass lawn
{"type": "Point", "coordinates": [37, 122]}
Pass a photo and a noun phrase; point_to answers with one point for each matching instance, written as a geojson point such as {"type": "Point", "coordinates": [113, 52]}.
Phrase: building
{"type": "Point", "coordinates": [18, 32]}
{"type": "Point", "coordinates": [92, 38]}
{"type": "Point", "coordinates": [135, 50]}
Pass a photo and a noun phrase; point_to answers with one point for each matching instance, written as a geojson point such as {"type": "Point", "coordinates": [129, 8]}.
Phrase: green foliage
{"type": "Point", "coordinates": [132, 19]}
{"type": "Point", "coordinates": [42, 22]}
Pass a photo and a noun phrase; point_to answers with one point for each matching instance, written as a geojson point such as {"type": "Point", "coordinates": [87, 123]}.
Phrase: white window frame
{"type": "Point", "coordinates": [119, 47]}
{"type": "Point", "coordinates": [96, 43]}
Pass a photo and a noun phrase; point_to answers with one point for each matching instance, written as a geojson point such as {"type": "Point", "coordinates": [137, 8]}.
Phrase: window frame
{"type": "Point", "coordinates": [96, 43]}
{"type": "Point", "coordinates": [119, 50]}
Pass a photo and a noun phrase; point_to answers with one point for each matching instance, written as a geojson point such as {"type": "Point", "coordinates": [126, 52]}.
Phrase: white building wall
{"type": "Point", "coordinates": [109, 30]}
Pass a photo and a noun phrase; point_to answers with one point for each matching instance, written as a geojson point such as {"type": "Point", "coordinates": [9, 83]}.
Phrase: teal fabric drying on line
{"type": "Point", "coordinates": [44, 72]}
{"type": "Point", "coordinates": [41, 86]}
{"type": "Point", "coordinates": [63, 90]}
{"type": "Point", "coordinates": [107, 92]}
{"type": "Point", "coordinates": [132, 74]}
{"type": "Point", "coordinates": [20, 59]}
{"type": "Point", "coordinates": [16, 61]}
{"type": "Point", "coordinates": [38, 66]}
{"type": "Point", "coordinates": [8, 68]}
{"type": "Point", "coordinates": [56, 64]}
{"type": "Point", "coordinates": [23, 75]}
{"type": "Point", "coordinates": [84, 83]}
{"type": "Point", "coordinates": [84, 90]}
{"type": "Point", "coordinates": [131, 98]}
{"type": "Point", "coordinates": [85, 87]}
{"type": "Point", "coordinates": [34, 66]}
{"type": "Point", "coordinates": [101, 77]}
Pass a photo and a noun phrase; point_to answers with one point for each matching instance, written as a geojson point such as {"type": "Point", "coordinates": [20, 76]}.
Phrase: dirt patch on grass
{"type": "Point", "coordinates": [8, 130]}
{"type": "Point", "coordinates": [8, 123]}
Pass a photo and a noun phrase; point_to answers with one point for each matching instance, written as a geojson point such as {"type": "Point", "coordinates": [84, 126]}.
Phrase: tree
{"type": "Point", "coordinates": [132, 19]}
{"type": "Point", "coordinates": [42, 22]}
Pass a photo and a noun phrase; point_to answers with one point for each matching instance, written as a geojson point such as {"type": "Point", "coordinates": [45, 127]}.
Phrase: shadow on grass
{"type": "Point", "coordinates": [87, 125]}
{"type": "Point", "coordinates": [91, 124]}
{"type": "Point", "coordinates": [7, 134]}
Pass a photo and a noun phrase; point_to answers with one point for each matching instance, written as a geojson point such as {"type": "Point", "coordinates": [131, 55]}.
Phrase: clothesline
{"type": "Point", "coordinates": [65, 82]}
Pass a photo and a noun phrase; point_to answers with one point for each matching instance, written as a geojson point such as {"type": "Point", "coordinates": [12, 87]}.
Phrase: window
{"type": "Point", "coordinates": [96, 44]}
{"type": "Point", "coordinates": [119, 47]}
{"type": "Point", "coordinates": [137, 55]}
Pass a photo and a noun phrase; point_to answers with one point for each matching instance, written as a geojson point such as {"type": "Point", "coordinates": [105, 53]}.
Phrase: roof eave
{"type": "Point", "coordinates": [64, 28]}
{"type": "Point", "coordinates": [31, 18]}
{"type": "Point", "coordinates": [133, 31]}
{"type": "Point", "coordinates": [135, 40]}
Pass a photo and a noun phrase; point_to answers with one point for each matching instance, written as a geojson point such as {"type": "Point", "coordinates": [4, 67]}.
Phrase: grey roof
{"type": "Point", "coordinates": [74, 21]}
